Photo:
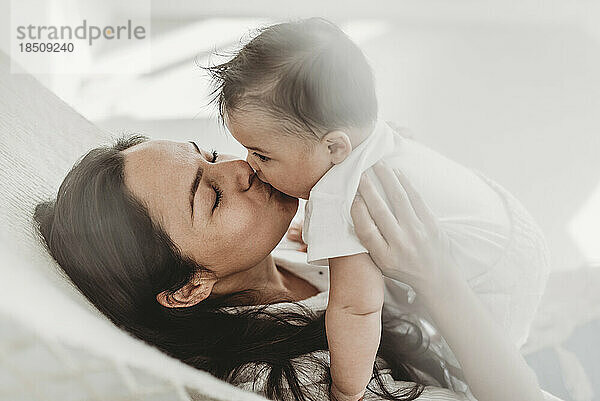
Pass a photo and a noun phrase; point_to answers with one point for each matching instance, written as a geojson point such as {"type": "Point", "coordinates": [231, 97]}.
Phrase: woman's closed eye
{"type": "Point", "coordinates": [261, 157]}
{"type": "Point", "coordinates": [218, 197]}
{"type": "Point", "coordinates": [215, 187]}
{"type": "Point", "coordinates": [195, 185]}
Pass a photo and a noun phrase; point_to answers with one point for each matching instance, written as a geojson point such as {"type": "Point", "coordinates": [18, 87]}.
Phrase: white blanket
{"type": "Point", "coordinates": [49, 333]}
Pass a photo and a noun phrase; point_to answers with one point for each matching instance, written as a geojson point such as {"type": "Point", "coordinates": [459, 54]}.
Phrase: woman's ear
{"type": "Point", "coordinates": [194, 291]}
{"type": "Point", "coordinates": [338, 144]}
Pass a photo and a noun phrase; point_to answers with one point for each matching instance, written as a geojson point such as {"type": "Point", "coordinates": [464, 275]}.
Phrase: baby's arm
{"type": "Point", "coordinates": [353, 322]}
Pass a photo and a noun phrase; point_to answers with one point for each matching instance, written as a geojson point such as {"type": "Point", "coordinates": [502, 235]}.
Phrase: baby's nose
{"type": "Point", "coordinates": [251, 162]}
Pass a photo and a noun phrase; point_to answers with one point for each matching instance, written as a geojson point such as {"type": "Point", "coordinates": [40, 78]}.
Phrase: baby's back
{"type": "Point", "coordinates": [495, 242]}
{"type": "Point", "coordinates": [459, 197]}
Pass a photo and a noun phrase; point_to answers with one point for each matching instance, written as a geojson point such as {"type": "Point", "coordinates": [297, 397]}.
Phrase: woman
{"type": "Point", "coordinates": [164, 237]}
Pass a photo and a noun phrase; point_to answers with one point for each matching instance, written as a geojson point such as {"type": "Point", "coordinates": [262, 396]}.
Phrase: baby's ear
{"type": "Point", "coordinates": [339, 145]}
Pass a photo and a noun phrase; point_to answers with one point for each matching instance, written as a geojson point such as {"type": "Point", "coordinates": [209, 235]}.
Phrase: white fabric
{"type": "Point", "coordinates": [494, 241]}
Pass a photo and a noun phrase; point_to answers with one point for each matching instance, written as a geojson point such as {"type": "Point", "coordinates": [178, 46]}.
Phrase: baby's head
{"type": "Point", "coordinates": [298, 96]}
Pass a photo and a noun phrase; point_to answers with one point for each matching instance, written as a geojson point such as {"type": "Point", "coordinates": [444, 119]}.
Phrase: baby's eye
{"type": "Point", "coordinates": [261, 157]}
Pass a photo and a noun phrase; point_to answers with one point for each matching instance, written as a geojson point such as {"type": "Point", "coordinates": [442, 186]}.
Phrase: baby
{"type": "Point", "coordinates": [300, 97]}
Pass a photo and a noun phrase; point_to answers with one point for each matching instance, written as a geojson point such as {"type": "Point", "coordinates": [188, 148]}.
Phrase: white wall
{"type": "Point", "coordinates": [517, 101]}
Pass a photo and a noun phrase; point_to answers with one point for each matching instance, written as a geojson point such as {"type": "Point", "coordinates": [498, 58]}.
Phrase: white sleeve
{"type": "Point", "coordinates": [328, 230]}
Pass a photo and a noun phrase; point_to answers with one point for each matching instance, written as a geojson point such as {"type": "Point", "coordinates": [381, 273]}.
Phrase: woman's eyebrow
{"type": "Point", "coordinates": [195, 183]}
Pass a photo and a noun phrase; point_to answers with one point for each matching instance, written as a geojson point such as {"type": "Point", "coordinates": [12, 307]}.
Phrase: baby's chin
{"type": "Point", "coordinates": [294, 193]}
{"type": "Point", "coordinates": [289, 192]}
{"type": "Point", "coordinates": [284, 198]}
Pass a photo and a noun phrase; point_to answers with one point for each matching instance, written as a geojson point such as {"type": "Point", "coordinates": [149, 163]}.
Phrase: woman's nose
{"type": "Point", "coordinates": [236, 172]}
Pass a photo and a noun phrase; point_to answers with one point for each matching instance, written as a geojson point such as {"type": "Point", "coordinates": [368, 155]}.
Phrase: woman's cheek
{"type": "Point", "coordinates": [245, 218]}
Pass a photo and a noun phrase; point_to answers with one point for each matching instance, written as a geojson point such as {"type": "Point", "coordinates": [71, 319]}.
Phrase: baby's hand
{"type": "Point", "coordinates": [294, 233]}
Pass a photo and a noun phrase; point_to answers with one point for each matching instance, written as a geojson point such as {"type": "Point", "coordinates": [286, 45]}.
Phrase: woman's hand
{"type": "Point", "coordinates": [407, 245]}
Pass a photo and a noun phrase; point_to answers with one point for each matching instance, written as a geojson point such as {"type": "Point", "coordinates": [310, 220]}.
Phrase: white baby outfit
{"type": "Point", "coordinates": [494, 241]}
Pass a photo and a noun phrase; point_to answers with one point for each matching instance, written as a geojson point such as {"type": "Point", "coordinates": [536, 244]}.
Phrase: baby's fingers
{"type": "Point", "coordinates": [295, 234]}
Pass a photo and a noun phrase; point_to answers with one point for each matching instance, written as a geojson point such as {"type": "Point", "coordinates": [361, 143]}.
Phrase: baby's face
{"type": "Point", "coordinates": [291, 164]}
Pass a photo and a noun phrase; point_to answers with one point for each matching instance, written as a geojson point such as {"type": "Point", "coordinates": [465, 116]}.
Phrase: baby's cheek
{"type": "Point", "coordinates": [289, 182]}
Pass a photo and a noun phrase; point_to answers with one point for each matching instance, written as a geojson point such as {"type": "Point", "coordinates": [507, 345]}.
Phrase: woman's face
{"type": "Point", "coordinates": [213, 207]}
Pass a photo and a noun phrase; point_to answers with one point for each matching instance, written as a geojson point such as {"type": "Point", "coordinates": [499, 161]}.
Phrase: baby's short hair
{"type": "Point", "coordinates": [308, 75]}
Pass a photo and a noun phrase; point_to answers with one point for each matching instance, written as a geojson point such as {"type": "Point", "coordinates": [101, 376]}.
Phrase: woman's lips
{"type": "Point", "coordinates": [251, 181]}
{"type": "Point", "coordinates": [266, 188]}
{"type": "Point", "coordinates": [269, 189]}
{"type": "Point", "coordinates": [262, 186]}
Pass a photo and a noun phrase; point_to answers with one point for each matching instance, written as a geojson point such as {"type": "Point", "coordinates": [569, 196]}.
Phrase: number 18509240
{"type": "Point", "coordinates": [35, 47]}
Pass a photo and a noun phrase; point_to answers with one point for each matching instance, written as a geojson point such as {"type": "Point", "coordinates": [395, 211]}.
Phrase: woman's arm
{"type": "Point", "coordinates": [408, 245]}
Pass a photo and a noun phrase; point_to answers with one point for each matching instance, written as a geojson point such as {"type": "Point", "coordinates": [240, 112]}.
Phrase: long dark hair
{"type": "Point", "coordinates": [106, 243]}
